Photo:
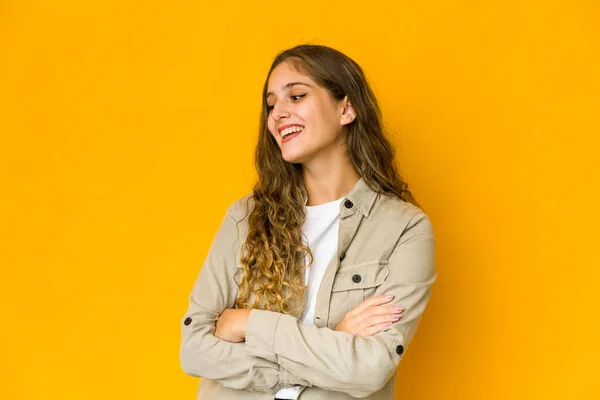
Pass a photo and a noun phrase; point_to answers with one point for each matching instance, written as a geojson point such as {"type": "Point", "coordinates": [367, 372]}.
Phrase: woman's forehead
{"type": "Point", "coordinates": [285, 74]}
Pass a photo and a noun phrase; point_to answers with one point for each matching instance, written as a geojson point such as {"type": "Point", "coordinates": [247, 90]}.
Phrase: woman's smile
{"type": "Point", "coordinates": [291, 136]}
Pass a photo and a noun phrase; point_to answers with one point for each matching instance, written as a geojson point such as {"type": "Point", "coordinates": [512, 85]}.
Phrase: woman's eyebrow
{"type": "Point", "coordinates": [289, 85]}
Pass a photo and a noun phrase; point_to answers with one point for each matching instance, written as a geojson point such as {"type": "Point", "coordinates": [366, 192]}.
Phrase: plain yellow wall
{"type": "Point", "coordinates": [128, 127]}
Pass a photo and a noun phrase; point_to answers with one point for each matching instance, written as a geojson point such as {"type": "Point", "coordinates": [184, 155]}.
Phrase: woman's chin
{"type": "Point", "coordinates": [293, 157]}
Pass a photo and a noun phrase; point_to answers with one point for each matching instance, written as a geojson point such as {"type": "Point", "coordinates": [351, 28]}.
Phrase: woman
{"type": "Point", "coordinates": [316, 281]}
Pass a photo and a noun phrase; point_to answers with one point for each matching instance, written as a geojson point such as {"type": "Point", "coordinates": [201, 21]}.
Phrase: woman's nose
{"type": "Point", "coordinates": [278, 111]}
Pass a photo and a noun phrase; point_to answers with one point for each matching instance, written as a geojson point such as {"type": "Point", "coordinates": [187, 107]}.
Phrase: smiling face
{"type": "Point", "coordinates": [296, 101]}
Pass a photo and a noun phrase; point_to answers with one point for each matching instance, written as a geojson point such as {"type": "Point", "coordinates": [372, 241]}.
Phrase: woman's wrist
{"type": "Point", "coordinates": [242, 320]}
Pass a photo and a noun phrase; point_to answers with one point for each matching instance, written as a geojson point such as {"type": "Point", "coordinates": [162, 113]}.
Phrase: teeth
{"type": "Point", "coordinates": [292, 129]}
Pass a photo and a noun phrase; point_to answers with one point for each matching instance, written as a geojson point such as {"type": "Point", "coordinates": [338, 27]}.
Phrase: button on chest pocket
{"type": "Point", "coordinates": [354, 283]}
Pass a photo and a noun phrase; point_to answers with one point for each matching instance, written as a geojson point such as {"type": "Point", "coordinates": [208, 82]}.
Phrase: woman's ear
{"type": "Point", "coordinates": [348, 114]}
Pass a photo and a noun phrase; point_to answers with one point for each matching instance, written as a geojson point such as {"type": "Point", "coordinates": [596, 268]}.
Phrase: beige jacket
{"type": "Point", "coordinates": [385, 246]}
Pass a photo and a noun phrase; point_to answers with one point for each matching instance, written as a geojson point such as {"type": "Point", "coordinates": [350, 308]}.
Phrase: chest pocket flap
{"type": "Point", "coordinates": [361, 276]}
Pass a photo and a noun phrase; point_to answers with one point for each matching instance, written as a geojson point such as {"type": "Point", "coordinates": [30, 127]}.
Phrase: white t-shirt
{"type": "Point", "coordinates": [321, 231]}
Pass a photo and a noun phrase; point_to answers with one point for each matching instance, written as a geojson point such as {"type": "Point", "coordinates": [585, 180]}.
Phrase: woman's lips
{"type": "Point", "coordinates": [291, 136]}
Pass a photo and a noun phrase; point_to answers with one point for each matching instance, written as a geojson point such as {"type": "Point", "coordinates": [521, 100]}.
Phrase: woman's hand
{"type": "Point", "coordinates": [231, 325]}
{"type": "Point", "coordinates": [370, 316]}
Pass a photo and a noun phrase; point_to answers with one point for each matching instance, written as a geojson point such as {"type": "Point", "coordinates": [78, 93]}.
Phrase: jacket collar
{"type": "Point", "coordinates": [361, 196]}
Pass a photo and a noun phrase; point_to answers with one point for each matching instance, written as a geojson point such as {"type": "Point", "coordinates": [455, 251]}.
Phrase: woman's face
{"type": "Point", "coordinates": [295, 101]}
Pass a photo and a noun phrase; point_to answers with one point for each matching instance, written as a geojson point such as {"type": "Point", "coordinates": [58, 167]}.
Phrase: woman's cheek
{"type": "Point", "coordinates": [275, 137]}
{"type": "Point", "coordinates": [271, 130]}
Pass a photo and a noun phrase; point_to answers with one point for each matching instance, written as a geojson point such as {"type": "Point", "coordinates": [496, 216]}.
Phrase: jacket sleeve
{"type": "Point", "coordinates": [358, 366]}
{"type": "Point", "coordinates": [204, 355]}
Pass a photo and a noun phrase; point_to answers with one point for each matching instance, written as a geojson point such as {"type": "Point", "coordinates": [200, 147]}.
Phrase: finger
{"type": "Point", "coordinates": [376, 314]}
{"type": "Point", "coordinates": [381, 310]}
{"type": "Point", "coordinates": [374, 329]}
{"type": "Point", "coordinates": [378, 319]}
{"type": "Point", "coordinates": [356, 324]}
{"type": "Point", "coordinates": [371, 301]}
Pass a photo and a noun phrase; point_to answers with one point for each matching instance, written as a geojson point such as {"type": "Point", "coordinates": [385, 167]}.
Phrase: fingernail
{"type": "Point", "coordinates": [389, 296]}
{"type": "Point", "coordinates": [387, 324]}
{"type": "Point", "coordinates": [398, 308]}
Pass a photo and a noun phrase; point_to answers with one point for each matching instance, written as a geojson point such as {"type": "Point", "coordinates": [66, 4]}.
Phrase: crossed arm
{"type": "Point", "coordinates": [202, 353]}
{"type": "Point", "coordinates": [279, 351]}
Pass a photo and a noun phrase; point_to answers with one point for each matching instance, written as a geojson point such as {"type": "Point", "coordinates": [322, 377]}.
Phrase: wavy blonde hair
{"type": "Point", "coordinates": [273, 252]}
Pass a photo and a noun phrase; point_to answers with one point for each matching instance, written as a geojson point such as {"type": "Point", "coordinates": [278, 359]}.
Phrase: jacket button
{"type": "Point", "coordinates": [399, 349]}
{"type": "Point", "coordinates": [348, 204]}
{"type": "Point", "coordinates": [342, 256]}
{"type": "Point", "coordinates": [356, 278]}
{"type": "Point", "coordinates": [187, 321]}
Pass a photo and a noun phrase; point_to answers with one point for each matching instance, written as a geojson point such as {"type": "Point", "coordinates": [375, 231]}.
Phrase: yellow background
{"type": "Point", "coordinates": [128, 128]}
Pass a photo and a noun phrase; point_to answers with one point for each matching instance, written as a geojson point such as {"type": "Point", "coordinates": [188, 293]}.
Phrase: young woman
{"type": "Point", "coordinates": [315, 282]}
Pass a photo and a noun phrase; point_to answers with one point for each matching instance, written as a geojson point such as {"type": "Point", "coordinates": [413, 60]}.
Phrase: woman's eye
{"type": "Point", "coordinates": [298, 95]}
{"type": "Point", "coordinates": [294, 98]}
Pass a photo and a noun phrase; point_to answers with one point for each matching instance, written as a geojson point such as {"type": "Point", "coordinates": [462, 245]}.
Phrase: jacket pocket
{"type": "Point", "coordinates": [354, 283]}
{"type": "Point", "coordinates": [361, 276]}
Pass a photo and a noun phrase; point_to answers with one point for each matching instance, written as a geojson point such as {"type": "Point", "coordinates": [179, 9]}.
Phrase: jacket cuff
{"type": "Point", "coordinates": [261, 328]}
{"type": "Point", "coordinates": [288, 379]}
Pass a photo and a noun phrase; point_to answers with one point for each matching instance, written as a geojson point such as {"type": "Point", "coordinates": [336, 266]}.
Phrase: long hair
{"type": "Point", "coordinates": [274, 250]}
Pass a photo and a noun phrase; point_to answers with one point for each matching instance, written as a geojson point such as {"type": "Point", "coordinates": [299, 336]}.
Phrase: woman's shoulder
{"type": "Point", "coordinates": [393, 205]}
{"type": "Point", "coordinates": [240, 208]}
{"type": "Point", "coordinates": [386, 203]}
{"type": "Point", "coordinates": [395, 211]}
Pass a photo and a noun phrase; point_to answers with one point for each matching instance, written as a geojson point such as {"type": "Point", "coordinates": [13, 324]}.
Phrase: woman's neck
{"type": "Point", "coordinates": [329, 183]}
